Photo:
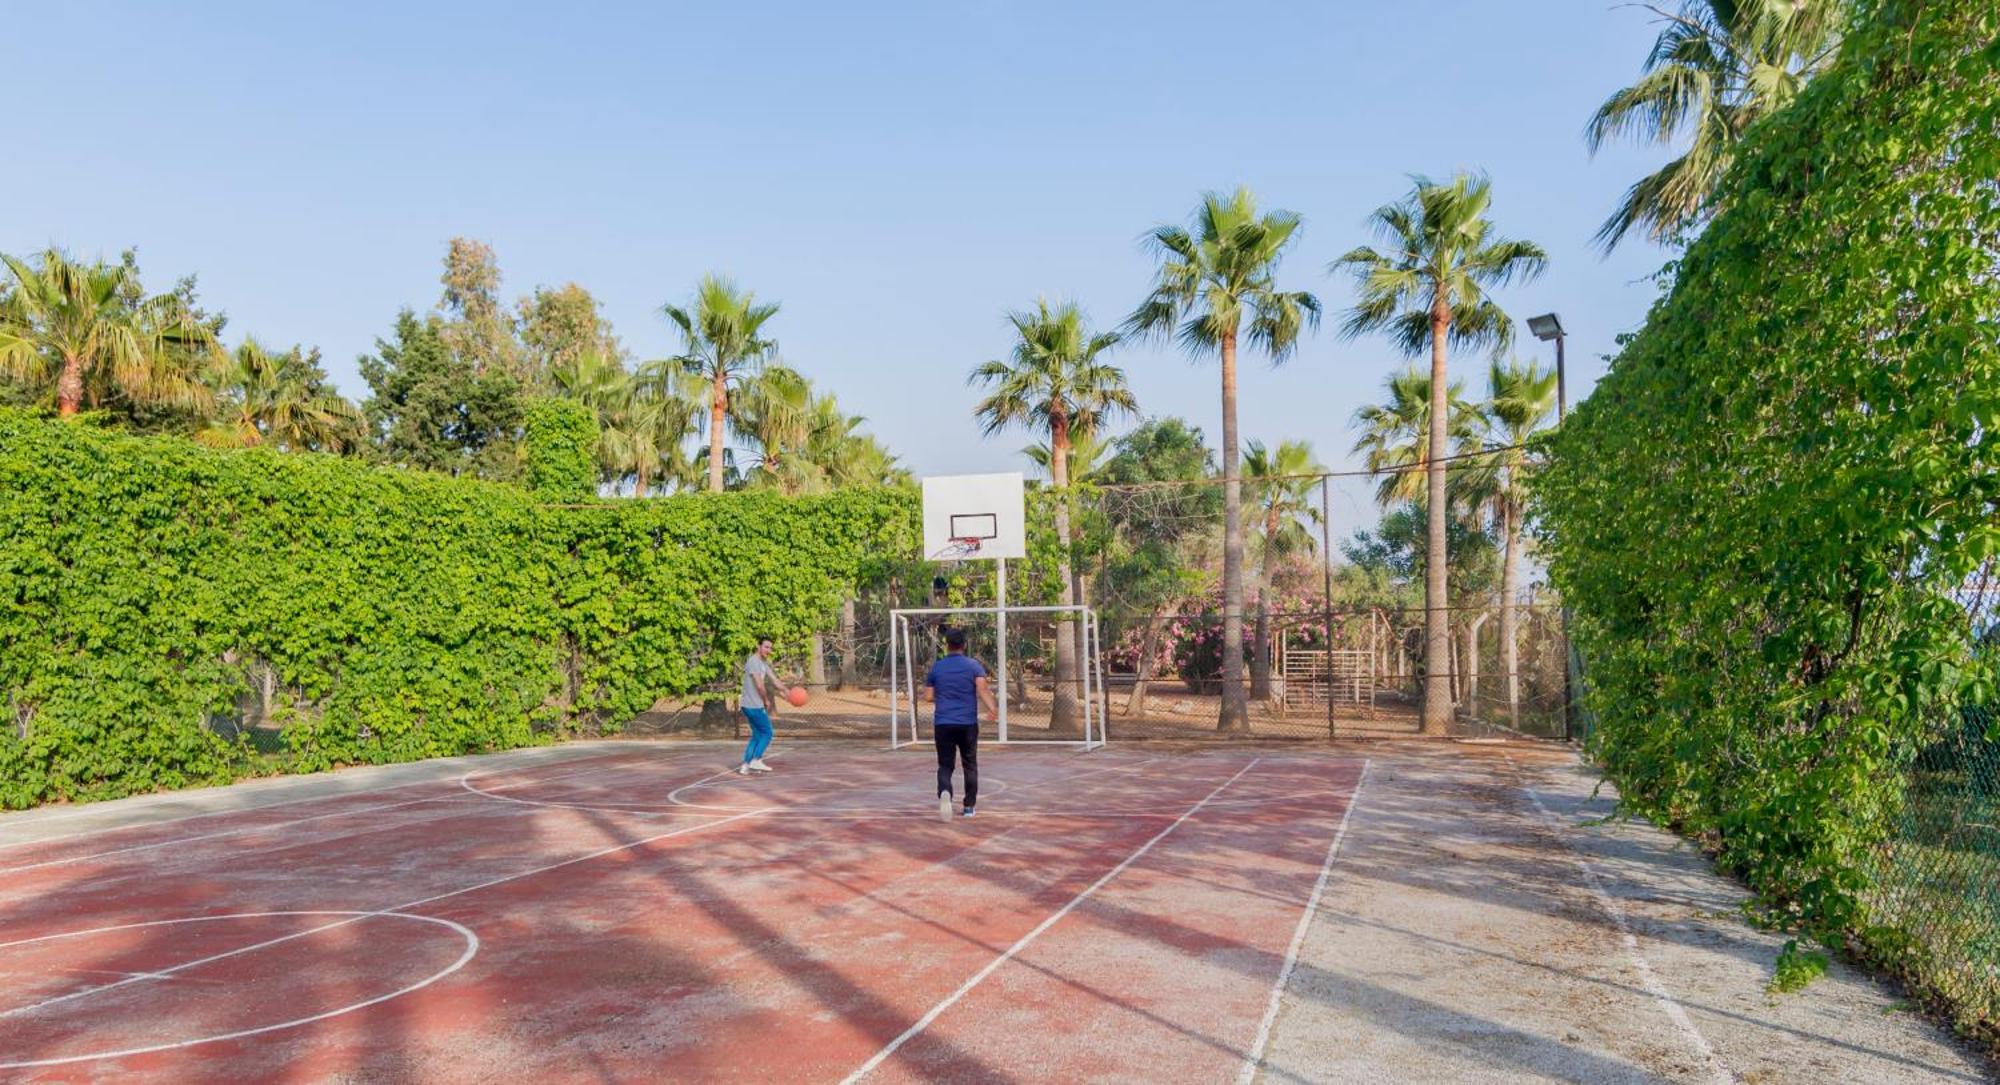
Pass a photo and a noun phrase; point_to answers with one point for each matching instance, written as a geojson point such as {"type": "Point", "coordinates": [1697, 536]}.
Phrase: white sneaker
{"type": "Point", "coordinates": [944, 807]}
{"type": "Point", "coordinates": [743, 769]}
{"type": "Point", "coordinates": [759, 766]}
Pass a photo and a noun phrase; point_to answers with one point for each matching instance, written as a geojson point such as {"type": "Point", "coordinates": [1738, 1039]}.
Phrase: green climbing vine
{"type": "Point", "coordinates": [1768, 514]}
{"type": "Point", "coordinates": [156, 596]}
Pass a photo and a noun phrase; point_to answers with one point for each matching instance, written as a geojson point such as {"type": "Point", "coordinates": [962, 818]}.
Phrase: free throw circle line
{"type": "Point", "coordinates": [471, 950]}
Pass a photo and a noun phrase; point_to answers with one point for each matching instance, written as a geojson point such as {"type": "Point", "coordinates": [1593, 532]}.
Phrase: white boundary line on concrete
{"type": "Point", "coordinates": [358, 916]}
{"type": "Point", "coordinates": [1255, 1059]}
{"type": "Point", "coordinates": [1022, 943]}
{"type": "Point", "coordinates": [471, 950]}
{"type": "Point", "coordinates": [1650, 981]}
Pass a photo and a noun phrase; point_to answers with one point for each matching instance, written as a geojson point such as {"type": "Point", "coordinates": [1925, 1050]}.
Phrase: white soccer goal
{"type": "Point", "coordinates": [995, 634]}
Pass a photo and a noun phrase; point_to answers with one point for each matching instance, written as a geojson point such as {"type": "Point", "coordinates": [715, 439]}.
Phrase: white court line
{"type": "Point", "coordinates": [93, 809]}
{"type": "Point", "coordinates": [226, 832]}
{"type": "Point", "coordinates": [471, 950]}
{"type": "Point", "coordinates": [1256, 1056]}
{"type": "Point", "coordinates": [965, 988]}
{"type": "Point", "coordinates": [1647, 979]}
{"type": "Point", "coordinates": [644, 762]}
{"type": "Point", "coordinates": [357, 917]}
{"type": "Point", "coordinates": [876, 813]}
{"type": "Point", "coordinates": [670, 806]}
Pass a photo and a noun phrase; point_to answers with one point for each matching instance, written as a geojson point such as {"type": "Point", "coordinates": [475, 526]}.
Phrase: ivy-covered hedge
{"type": "Point", "coordinates": [1765, 515]}
{"type": "Point", "coordinates": [560, 448]}
{"type": "Point", "coordinates": [153, 592]}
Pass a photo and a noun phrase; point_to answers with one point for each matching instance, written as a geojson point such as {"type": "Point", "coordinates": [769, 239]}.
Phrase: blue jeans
{"type": "Point", "coordinates": [760, 734]}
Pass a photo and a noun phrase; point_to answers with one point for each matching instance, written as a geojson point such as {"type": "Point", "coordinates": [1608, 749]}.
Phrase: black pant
{"type": "Point", "coordinates": [960, 740]}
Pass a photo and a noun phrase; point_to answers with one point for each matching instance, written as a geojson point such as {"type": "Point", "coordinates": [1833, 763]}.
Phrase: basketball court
{"type": "Point", "coordinates": [639, 911]}
{"type": "Point", "coordinates": [632, 913]}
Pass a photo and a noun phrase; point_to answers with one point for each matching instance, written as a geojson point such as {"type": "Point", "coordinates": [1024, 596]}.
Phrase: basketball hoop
{"type": "Point", "coordinates": [958, 549]}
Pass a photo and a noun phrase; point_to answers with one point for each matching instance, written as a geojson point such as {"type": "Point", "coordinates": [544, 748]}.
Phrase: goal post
{"type": "Point", "coordinates": [1051, 714]}
{"type": "Point", "coordinates": [984, 518]}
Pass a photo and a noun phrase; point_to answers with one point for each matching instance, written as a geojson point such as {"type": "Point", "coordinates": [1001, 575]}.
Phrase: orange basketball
{"type": "Point", "coordinates": [797, 696]}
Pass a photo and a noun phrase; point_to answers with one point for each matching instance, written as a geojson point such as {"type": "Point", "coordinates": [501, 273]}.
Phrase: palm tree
{"type": "Point", "coordinates": [773, 409]}
{"type": "Point", "coordinates": [836, 454]}
{"type": "Point", "coordinates": [1717, 66]}
{"type": "Point", "coordinates": [1520, 399]}
{"type": "Point", "coordinates": [1429, 290]}
{"type": "Point", "coordinates": [658, 417]}
{"type": "Point", "coordinates": [1281, 482]}
{"type": "Point", "coordinates": [280, 400]}
{"type": "Point", "coordinates": [724, 333]}
{"type": "Point", "coordinates": [1057, 383]}
{"type": "Point", "coordinates": [1396, 434]}
{"type": "Point", "coordinates": [600, 382]}
{"type": "Point", "coordinates": [667, 404]}
{"type": "Point", "coordinates": [840, 454]}
{"type": "Point", "coordinates": [92, 326]}
{"type": "Point", "coordinates": [1088, 455]}
{"type": "Point", "coordinates": [1210, 279]}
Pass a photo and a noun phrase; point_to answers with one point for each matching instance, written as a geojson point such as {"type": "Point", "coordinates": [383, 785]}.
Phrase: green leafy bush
{"type": "Point", "coordinates": [1796, 969]}
{"type": "Point", "coordinates": [1765, 515]}
{"type": "Point", "coordinates": [561, 449]}
{"type": "Point", "coordinates": [152, 591]}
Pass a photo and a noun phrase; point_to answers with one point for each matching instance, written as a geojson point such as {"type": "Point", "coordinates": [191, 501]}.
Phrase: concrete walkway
{"type": "Point", "coordinates": [1477, 927]}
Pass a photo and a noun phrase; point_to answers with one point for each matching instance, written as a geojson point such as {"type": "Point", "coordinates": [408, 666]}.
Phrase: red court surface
{"type": "Point", "coordinates": [632, 915]}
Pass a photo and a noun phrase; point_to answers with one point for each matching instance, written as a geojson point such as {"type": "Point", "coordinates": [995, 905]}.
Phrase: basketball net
{"type": "Point", "coordinates": [958, 549]}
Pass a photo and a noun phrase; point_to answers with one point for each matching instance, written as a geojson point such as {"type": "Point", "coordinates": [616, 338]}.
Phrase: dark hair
{"type": "Point", "coordinates": [954, 638]}
{"type": "Point", "coordinates": [766, 640]}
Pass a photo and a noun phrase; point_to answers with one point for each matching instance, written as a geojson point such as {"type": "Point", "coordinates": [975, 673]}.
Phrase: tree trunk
{"type": "Point", "coordinates": [1510, 575]}
{"type": "Point", "coordinates": [718, 408]}
{"type": "Point", "coordinates": [1143, 670]}
{"type": "Point", "coordinates": [1260, 652]}
{"type": "Point", "coordinates": [1235, 715]}
{"type": "Point", "coordinates": [640, 489]}
{"type": "Point", "coordinates": [816, 664]}
{"type": "Point", "coordinates": [847, 676]}
{"type": "Point", "coordinates": [1063, 714]}
{"type": "Point", "coordinates": [69, 386]}
{"type": "Point", "coordinates": [1437, 627]}
{"type": "Point", "coordinates": [1469, 688]}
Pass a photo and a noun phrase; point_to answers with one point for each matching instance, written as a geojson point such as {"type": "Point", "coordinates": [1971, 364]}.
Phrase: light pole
{"type": "Point", "coordinates": [1546, 327]}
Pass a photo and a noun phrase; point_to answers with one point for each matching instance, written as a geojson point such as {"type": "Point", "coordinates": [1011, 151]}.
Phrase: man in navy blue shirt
{"type": "Point", "coordinates": [957, 685]}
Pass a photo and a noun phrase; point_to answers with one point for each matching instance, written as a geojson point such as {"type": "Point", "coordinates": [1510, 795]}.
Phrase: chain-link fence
{"type": "Point", "coordinates": [1332, 624]}
{"type": "Point", "coordinates": [1934, 887]}
{"type": "Point", "coordinates": [1936, 881]}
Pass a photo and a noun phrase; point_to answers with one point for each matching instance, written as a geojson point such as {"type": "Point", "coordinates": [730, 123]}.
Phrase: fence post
{"type": "Point", "coordinates": [1326, 593]}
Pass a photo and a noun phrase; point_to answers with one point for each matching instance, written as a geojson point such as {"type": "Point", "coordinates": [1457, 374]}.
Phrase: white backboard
{"type": "Point", "coordinates": [992, 508]}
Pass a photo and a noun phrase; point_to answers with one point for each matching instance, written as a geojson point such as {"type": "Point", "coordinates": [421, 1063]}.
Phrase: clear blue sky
{"type": "Point", "coordinates": [897, 176]}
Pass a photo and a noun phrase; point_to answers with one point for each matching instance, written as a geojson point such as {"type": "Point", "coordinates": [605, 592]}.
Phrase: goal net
{"type": "Point", "coordinates": [1043, 662]}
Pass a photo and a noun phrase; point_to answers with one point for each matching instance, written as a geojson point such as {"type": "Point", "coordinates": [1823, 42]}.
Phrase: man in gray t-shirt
{"type": "Point", "coordinates": [760, 691]}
